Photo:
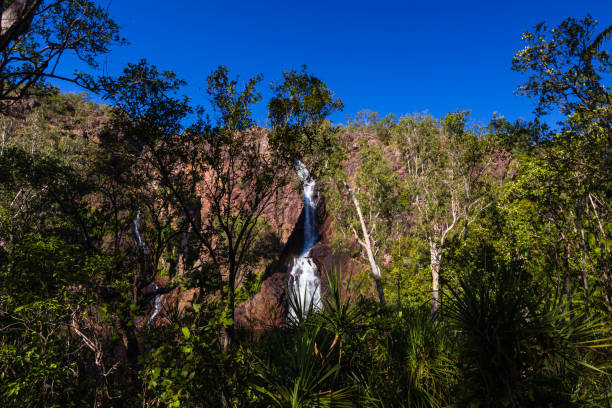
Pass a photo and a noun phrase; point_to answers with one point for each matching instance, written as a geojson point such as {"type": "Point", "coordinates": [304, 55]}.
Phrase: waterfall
{"type": "Point", "coordinates": [304, 280]}
{"type": "Point", "coordinates": [157, 302]}
{"type": "Point", "coordinates": [141, 244]}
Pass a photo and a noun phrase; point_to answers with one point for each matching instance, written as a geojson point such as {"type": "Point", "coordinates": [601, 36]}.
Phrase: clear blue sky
{"type": "Point", "coordinates": [387, 56]}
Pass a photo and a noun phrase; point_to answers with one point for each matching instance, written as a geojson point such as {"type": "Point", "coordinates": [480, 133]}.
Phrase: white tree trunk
{"type": "Point", "coordinates": [15, 20]}
{"type": "Point", "coordinates": [435, 253]}
{"type": "Point", "coordinates": [367, 245]}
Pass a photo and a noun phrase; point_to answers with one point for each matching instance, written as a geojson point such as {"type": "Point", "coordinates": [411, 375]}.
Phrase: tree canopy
{"type": "Point", "coordinates": [459, 264]}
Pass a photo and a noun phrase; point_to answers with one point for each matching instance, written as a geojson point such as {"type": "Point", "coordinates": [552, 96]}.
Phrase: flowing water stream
{"type": "Point", "coordinates": [157, 302]}
{"type": "Point", "coordinates": [304, 281]}
{"type": "Point", "coordinates": [141, 244]}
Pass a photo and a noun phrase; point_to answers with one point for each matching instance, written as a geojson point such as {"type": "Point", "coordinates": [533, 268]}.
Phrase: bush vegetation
{"type": "Point", "coordinates": [492, 244]}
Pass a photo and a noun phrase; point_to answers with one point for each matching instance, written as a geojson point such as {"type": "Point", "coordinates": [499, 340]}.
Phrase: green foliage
{"type": "Point", "coordinates": [233, 107]}
{"type": "Point", "coordinates": [40, 33]}
{"type": "Point", "coordinates": [303, 373]}
{"type": "Point", "coordinates": [340, 312]}
{"type": "Point", "coordinates": [408, 282]}
{"type": "Point", "coordinates": [32, 353]}
{"type": "Point", "coordinates": [518, 138]}
{"type": "Point", "coordinates": [298, 109]}
{"type": "Point", "coordinates": [409, 363]}
{"type": "Point", "coordinates": [184, 366]}
{"type": "Point", "coordinates": [517, 349]}
{"type": "Point", "coordinates": [566, 67]}
{"type": "Point", "coordinates": [512, 222]}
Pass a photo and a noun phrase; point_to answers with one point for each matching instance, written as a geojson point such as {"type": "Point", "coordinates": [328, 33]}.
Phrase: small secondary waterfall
{"type": "Point", "coordinates": [141, 244]}
{"type": "Point", "coordinates": [304, 279]}
{"type": "Point", "coordinates": [157, 302]}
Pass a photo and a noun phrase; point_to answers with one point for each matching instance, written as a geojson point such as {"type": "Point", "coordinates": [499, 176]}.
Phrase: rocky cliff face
{"type": "Point", "coordinates": [280, 243]}
{"type": "Point", "coordinates": [68, 127]}
{"type": "Point", "coordinates": [268, 308]}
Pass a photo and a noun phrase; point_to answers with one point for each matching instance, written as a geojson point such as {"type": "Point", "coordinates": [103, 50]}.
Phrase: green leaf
{"type": "Point", "coordinates": [186, 332]}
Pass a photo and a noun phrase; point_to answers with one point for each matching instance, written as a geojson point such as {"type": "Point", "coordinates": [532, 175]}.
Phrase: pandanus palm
{"type": "Point", "coordinates": [302, 372]}
{"type": "Point", "coordinates": [301, 366]}
{"type": "Point", "coordinates": [516, 350]}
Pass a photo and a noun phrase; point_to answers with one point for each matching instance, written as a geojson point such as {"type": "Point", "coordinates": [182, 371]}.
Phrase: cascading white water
{"type": "Point", "coordinates": [305, 282]}
{"type": "Point", "coordinates": [157, 302]}
{"type": "Point", "coordinates": [141, 244]}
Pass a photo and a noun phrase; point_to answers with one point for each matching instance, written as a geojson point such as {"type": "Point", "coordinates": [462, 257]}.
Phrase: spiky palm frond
{"type": "Point", "coordinates": [339, 313]}
{"type": "Point", "coordinates": [299, 309]}
{"type": "Point", "coordinates": [517, 354]}
{"type": "Point", "coordinates": [302, 372]}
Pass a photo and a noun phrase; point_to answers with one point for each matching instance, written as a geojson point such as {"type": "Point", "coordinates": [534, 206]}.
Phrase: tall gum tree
{"type": "Point", "coordinates": [36, 34]}
{"type": "Point", "coordinates": [444, 166]}
{"type": "Point", "coordinates": [569, 70]}
{"type": "Point", "coordinates": [373, 201]}
{"type": "Point", "coordinates": [220, 177]}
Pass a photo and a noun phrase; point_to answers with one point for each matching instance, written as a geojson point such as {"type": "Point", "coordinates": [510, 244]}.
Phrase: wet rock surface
{"type": "Point", "coordinates": [268, 308]}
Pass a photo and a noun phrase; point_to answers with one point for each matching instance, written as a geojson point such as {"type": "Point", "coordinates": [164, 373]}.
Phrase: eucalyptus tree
{"type": "Point", "coordinates": [366, 206]}
{"type": "Point", "coordinates": [297, 114]}
{"type": "Point", "coordinates": [445, 166]}
{"type": "Point", "coordinates": [220, 177]}
{"type": "Point", "coordinates": [569, 70]}
{"type": "Point", "coordinates": [470, 157]}
{"type": "Point", "coordinates": [36, 34]}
